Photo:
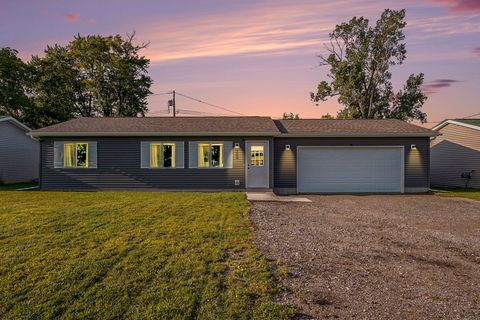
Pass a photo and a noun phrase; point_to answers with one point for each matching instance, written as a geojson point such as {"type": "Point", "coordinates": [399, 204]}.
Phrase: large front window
{"type": "Point", "coordinates": [75, 155]}
{"type": "Point", "coordinates": [210, 155]}
{"type": "Point", "coordinates": [162, 155]}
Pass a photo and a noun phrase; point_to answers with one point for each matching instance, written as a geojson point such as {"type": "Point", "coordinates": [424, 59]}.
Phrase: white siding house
{"type": "Point", "coordinates": [455, 151]}
{"type": "Point", "coordinates": [19, 153]}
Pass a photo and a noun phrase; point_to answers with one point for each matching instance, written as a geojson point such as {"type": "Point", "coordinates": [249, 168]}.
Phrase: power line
{"type": "Point", "coordinates": [209, 104]}
{"type": "Point", "coordinates": [473, 115]}
{"type": "Point", "coordinates": [189, 111]}
{"type": "Point", "coordinates": [171, 103]}
{"type": "Point", "coordinates": [161, 93]}
{"type": "Point", "coordinates": [160, 112]}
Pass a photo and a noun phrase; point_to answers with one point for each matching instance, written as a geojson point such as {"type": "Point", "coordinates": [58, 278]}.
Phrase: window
{"type": "Point", "coordinates": [210, 155]}
{"type": "Point", "coordinates": [257, 157]}
{"type": "Point", "coordinates": [162, 155]}
{"type": "Point", "coordinates": [75, 155]}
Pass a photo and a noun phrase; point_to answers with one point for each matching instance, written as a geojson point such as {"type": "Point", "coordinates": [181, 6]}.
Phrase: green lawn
{"type": "Point", "coordinates": [13, 187]}
{"type": "Point", "coordinates": [132, 255]}
{"type": "Point", "coordinates": [460, 192]}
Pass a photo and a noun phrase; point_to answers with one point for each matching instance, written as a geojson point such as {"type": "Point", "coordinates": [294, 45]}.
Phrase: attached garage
{"type": "Point", "coordinates": [351, 156]}
{"type": "Point", "coordinates": [350, 169]}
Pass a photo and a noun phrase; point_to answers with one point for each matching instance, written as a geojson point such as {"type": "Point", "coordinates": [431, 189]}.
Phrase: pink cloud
{"type": "Point", "coordinates": [433, 86]}
{"type": "Point", "coordinates": [476, 50]}
{"type": "Point", "coordinates": [72, 17]}
{"type": "Point", "coordinates": [460, 5]}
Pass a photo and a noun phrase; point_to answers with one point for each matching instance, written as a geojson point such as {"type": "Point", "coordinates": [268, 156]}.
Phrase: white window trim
{"type": "Point", "coordinates": [210, 143]}
{"type": "Point", "coordinates": [75, 157]}
{"type": "Point", "coordinates": [174, 160]}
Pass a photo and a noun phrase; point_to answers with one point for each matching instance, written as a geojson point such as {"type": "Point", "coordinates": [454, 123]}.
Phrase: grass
{"type": "Point", "coordinates": [132, 255]}
{"type": "Point", "coordinates": [460, 192]}
{"type": "Point", "coordinates": [13, 187]}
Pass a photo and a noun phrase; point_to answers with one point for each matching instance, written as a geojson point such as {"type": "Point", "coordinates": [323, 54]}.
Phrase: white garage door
{"type": "Point", "coordinates": [350, 169]}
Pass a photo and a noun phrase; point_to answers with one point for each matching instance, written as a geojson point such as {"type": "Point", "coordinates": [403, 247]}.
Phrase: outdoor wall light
{"type": "Point", "coordinates": [413, 147]}
{"type": "Point", "coordinates": [287, 147]}
{"type": "Point", "coordinates": [237, 145]}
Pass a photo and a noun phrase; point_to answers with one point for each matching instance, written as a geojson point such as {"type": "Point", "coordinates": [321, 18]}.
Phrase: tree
{"type": "Point", "coordinates": [92, 76]}
{"type": "Point", "coordinates": [327, 116]}
{"type": "Point", "coordinates": [58, 90]}
{"type": "Point", "coordinates": [360, 57]}
{"type": "Point", "coordinates": [290, 116]}
{"type": "Point", "coordinates": [14, 99]}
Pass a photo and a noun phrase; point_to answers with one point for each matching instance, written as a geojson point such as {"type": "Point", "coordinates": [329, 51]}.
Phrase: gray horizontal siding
{"type": "Point", "coordinates": [457, 150]}
{"type": "Point", "coordinates": [119, 168]}
{"type": "Point", "coordinates": [416, 161]}
{"type": "Point", "coordinates": [19, 155]}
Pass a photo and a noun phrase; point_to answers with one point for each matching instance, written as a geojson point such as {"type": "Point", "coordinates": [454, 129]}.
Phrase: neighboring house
{"type": "Point", "coordinates": [455, 151]}
{"type": "Point", "coordinates": [235, 153]}
{"type": "Point", "coordinates": [19, 153]}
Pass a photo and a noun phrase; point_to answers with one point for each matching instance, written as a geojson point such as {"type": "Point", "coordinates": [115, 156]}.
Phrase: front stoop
{"type": "Point", "coordinates": [270, 196]}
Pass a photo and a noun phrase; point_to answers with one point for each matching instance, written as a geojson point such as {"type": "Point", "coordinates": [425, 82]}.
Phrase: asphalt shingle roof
{"type": "Point", "coordinates": [357, 126]}
{"type": "Point", "coordinates": [247, 126]}
{"type": "Point", "coordinates": [180, 125]}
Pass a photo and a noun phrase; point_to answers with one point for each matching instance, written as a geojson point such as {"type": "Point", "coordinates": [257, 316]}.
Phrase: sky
{"type": "Point", "coordinates": [260, 57]}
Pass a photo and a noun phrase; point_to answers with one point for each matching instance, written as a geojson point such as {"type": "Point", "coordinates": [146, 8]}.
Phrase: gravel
{"type": "Point", "coordinates": [375, 257]}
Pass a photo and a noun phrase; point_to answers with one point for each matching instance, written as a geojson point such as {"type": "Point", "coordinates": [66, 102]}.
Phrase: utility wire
{"type": "Point", "coordinates": [209, 104]}
{"type": "Point", "coordinates": [160, 93]}
{"type": "Point", "coordinates": [466, 117]}
{"type": "Point", "coordinates": [473, 115]}
{"type": "Point", "coordinates": [186, 111]}
{"type": "Point", "coordinates": [189, 111]}
{"type": "Point", "coordinates": [159, 112]}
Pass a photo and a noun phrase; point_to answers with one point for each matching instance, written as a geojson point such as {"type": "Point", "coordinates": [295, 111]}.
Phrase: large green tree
{"type": "Point", "coordinates": [92, 76]}
{"type": "Point", "coordinates": [360, 57]}
{"type": "Point", "coordinates": [14, 83]}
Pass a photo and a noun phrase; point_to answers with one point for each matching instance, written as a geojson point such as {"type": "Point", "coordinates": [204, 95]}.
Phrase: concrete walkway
{"type": "Point", "coordinates": [270, 196]}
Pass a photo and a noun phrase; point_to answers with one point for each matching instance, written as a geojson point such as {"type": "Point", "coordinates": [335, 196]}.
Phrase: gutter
{"type": "Point", "coordinates": [458, 123]}
{"type": "Point", "coordinates": [151, 134]}
{"type": "Point", "coordinates": [16, 122]}
{"type": "Point", "coordinates": [232, 134]}
{"type": "Point", "coordinates": [359, 135]}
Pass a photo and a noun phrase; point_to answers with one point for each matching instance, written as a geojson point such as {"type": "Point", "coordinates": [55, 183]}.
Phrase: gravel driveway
{"type": "Point", "coordinates": [376, 257]}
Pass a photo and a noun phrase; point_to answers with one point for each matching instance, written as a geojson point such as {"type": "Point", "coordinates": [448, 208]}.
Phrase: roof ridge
{"type": "Point", "coordinates": [341, 119]}
{"type": "Point", "coordinates": [170, 117]}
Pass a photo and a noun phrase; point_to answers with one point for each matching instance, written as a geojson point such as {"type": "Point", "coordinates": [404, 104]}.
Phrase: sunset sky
{"type": "Point", "coordinates": [260, 57]}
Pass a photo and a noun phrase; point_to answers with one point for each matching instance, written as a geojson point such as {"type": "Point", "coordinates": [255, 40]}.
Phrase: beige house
{"type": "Point", "coordinates": [454, 152]}
{"type": "Point", "coordinates": [19, 153]}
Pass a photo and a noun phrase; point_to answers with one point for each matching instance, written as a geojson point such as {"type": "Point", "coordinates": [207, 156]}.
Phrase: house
{"type": "Point", "coordinates": [456, 151]}
{"type": "Point", "coordinates": [235, 153]}
{"type": "Point", "coordinates": [19, 153]}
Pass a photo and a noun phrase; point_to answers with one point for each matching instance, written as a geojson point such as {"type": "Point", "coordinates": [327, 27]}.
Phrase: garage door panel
{"type": "Point", "coordinates": [350, 169]}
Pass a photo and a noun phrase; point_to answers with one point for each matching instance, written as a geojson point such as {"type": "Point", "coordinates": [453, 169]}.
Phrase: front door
{"type": "Point", "coordinates": [258, 173]}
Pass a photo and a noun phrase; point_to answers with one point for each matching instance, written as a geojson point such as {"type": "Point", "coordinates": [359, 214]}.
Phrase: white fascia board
{"type": "Point", "coordinates": [16, 122]}
{"type": "Point", "coordinates": [458, 123]}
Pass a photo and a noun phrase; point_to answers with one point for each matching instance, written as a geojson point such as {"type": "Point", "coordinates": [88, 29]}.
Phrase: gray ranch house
{"type": "Point", "coordinates": [456, 153]}
{"type": "Point", "coordinates": [235, 153]}
{"type": "Point", "coordinates": [19, 153]}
